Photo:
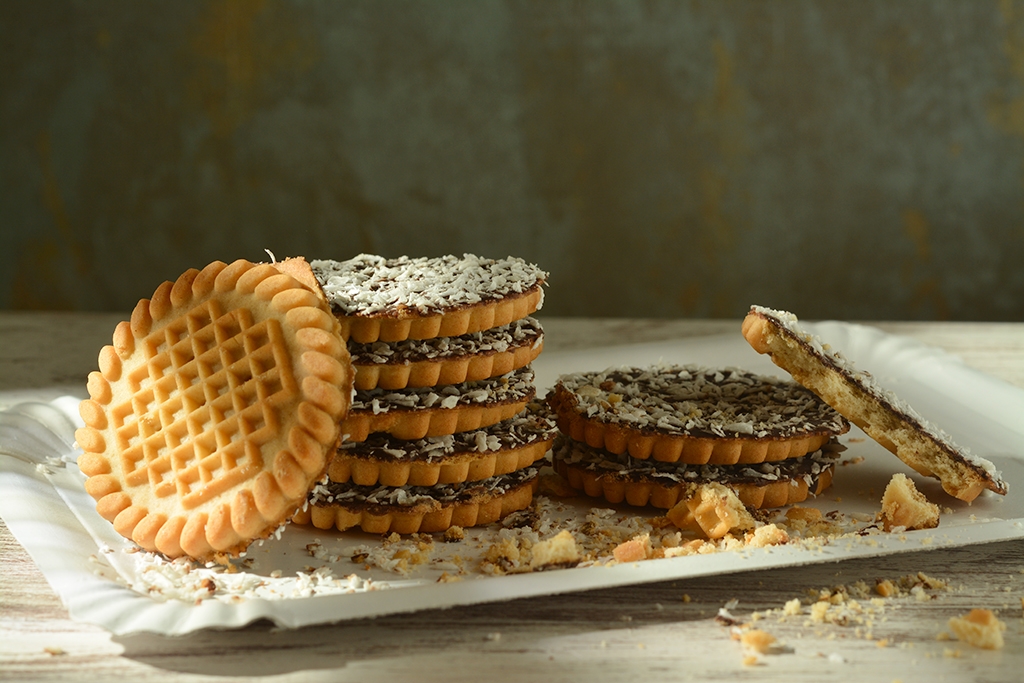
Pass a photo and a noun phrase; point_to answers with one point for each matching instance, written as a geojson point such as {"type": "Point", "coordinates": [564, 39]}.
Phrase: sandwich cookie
{"type": "Point", "coordinates": [437, 411]}
{"type": "Point", "coordinates": [693, 414]}
{"type": "Point", "coordinates": [376, 298]}
{"type": "Point", "coordinates": [447, 360]}
{"type": "Point", "coordinates": [418, 509]}
{"type": "Point", "coordinates": [512, 444]}
{"type": "Point", "coordinates": [622, 478]}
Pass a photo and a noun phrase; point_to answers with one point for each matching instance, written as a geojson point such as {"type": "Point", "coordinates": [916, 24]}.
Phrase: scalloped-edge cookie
{"type": "Point", "coordinates": [499, 449]}
{"type": "Point", "coordinates": [880, 413]}
{"type": "Point", "coordinates": [447, 360]}
{"type": "Point", "coordinates": [214, 410]}
{"type": "Point", "coordinates": [416, 413]}
{"type": "Point", "coordinates": [420, 298]}
{"type": "Point", "coordinates": [693, 414]}
{"type": "Point", "coordinates": [414, 509]}
{"type": "Point", "coordinates": [621, 478]}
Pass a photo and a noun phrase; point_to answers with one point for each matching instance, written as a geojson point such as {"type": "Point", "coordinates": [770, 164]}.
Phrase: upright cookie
{"type": "Point", "coordinates": [420, 298]}
{"type": "Point", "coordinates": [880, 413]}
{"type": "Point", "coordinates": [214, 410]}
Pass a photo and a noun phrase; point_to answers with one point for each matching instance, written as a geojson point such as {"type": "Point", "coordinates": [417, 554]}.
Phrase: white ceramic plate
{"type": "Point", "coordinates": [91, 567]}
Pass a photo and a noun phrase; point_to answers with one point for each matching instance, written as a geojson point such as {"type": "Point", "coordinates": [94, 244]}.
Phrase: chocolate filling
{"type": "Point", "coordinates": [508, 388]}
{"type": "Point", "coordinates": [532, 425]}
{"type": "Point", "coordinates": [625, 468]}
{"type": "Point", "coordinates": [525, 332]}
{"type": "Point", "coordinates": [386, 498]}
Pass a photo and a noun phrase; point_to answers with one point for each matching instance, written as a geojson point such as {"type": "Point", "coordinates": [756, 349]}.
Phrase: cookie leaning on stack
{"type": "Point", "coordinates": [215, 408]}
{"type": "Point", "coordinates": [649, 436]}
{"type": "Point", "coordinates": [443, 428]}
{"type": "Point", "coordinates": [880, 413]}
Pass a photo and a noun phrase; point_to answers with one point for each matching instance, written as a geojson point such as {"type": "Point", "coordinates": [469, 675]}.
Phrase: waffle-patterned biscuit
{"type": "Point", "coordinates": [499, 449]}
{"type": "Point", "coordinates": [447, 360]}
{"type": "Point", "coordinates": [412, 509]}
{"type": "Point", "coordinates": [621, 478]}
{"type": "Point", "coordinates": [420, 298]}
{"type": "Point", "coordinates": [213, 411]}
{"type": "Point", "coordinates": [435, 411]}
{"type": "Point", "coordinates": [693, 414]}
{"type": "Point", "coordinates": [880, 413]}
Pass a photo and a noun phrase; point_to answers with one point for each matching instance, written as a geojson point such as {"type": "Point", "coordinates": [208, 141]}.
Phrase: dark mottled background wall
{"type": "Point", "coordinates": [839, 159]}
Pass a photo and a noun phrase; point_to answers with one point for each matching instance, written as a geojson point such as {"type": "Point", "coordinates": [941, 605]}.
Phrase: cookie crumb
{"type": "Point", "coordinates": [757, 640]}
{"type": "Point", "coordinates": [558, 551]}
{"type": "Point", "coordinates": [633, 550]}
{"type": "Point", "coordinates": [792, 608]}
{"type": "Point", "coordinates": [979, 628]}
{"type": "Point", "coordinates": [903, 506]}
{"type": "Point", "coordinates": [713, 510]}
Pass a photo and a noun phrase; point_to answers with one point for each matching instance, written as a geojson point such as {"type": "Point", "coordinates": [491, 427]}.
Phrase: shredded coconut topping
{"type": "Point", "coordinates": [525, 332]}
{"type": "Point", "coordinates": [184, 579]}
{"type": "Point", "coordinates": [373, 285]}
{"type": "Point", "coordinates": [791, 325]}
{"type": "Point", "coordinates": [692, 400]}
{"type": "Point", "coordinates": [510, 387]}
{"type": "Point", "coordinates": [348, 494]}
{"type": "Point", "coordinates": [625, 468]}
{"type": "Point", "coordinates": [534, 424]}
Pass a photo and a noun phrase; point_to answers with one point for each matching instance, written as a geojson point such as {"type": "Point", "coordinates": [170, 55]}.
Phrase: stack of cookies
{"type": "Point", "coordinates": [654, 435]}
{"type": "Point", "coordinates": [444, 427]}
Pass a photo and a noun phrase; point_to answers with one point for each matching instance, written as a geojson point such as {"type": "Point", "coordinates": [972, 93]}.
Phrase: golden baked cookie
{"type": "Point", "coordinates": [622, 478]}
{"type": "Point", "coordinates": [512, 444]}
{"type": "Point", "coordinates": [416, 413]}
{"type": "Point", "coordinates": [447, 360]}
{"type": "Point", "coordinates": [693, 414]}
{"type": "Point", "coordinates": [420, 298]}
{"type": "Point", "coordinates": [214, 410]}
{"type": "Point", "coordinates": [412, 509]}
{"type": "Point", "coordinates": [880, 413]}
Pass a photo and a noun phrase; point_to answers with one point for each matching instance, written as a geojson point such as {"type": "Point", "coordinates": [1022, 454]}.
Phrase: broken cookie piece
{"type": "Point", "coordinates": [712, 510]}
{"type": "Point", "coordinates": [903, 506]}
{"type": "Point", "coordinates": [558, 551]}
{"type": "Point", "coordinates": [979, 628]}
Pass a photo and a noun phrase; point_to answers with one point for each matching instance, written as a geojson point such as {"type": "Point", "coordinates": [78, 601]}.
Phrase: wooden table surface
{"type": "Point", "coordinates": [662, 631]}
